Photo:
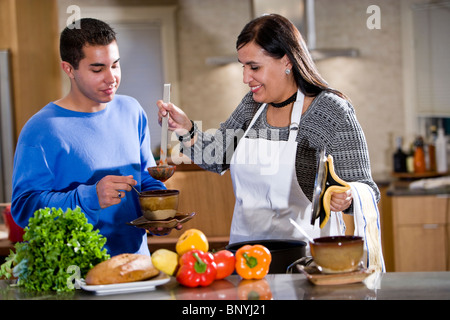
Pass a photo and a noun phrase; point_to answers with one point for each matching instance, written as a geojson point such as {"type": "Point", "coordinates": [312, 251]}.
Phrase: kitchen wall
{"type": "Point", "coordinates": [208, 29]}
{"type": "Point", "coordinates": [373, 81]}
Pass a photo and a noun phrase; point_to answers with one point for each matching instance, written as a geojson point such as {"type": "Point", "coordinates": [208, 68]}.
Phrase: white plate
{"type": "Point", "coordinates": [145, 285]}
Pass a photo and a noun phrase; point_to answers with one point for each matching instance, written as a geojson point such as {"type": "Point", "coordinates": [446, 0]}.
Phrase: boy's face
{"type": "Point", "coordinates": [98, 75]}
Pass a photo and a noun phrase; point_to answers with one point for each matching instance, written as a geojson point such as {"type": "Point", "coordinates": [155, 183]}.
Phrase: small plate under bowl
{"type": "Point", "coordinates": [315, 276]}
{"type": "Point", "coordinates": [143, 223]}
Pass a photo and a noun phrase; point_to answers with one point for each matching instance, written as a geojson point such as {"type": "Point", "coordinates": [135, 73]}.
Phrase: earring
{"type": "Point", "coordinates": [288, 71]}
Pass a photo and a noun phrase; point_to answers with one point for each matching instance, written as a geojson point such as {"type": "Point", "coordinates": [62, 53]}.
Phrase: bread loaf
{"type": "Point", "coordinates": [125, 267]}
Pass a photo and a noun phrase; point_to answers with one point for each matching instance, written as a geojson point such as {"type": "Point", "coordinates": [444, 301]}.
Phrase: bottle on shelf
{"type": "Point", "coordinates": [419, 156]}
{"type": "Point", "coordinates": [399, 157]}
{"type": "Point", "coordinates": [410, 159]}
{"type": "Point", "coordinates": [441, 152]}
{"type": "Point", "coordinates": [431, 145]}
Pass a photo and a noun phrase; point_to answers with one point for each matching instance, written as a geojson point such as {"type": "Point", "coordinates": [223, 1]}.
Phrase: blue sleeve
{"type": "Point", "coordinates": [32, 188]}
{"type": "Point", "coordinates": [148, 183]}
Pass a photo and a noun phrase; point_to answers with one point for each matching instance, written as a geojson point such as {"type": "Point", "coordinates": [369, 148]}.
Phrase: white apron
{"type": "Point", "coordinates": [267, 191]}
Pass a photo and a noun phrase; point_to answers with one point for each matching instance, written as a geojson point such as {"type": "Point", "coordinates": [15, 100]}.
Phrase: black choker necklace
{"type": "Point", "coordinates": [286, 102]}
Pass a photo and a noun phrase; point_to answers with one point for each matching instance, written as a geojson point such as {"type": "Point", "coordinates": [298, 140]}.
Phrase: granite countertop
{"type": "Point", "coordinates": [385, 286]}
{"type": "Point", "coordinates": [403, 188]}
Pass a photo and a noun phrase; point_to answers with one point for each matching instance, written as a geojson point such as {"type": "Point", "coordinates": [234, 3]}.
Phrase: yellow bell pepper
{"type": "Point", "coordinates": [191, 239]}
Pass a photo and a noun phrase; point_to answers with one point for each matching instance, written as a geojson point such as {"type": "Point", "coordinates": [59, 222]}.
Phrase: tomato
{"type": "Point", "coordinates": [225, 262]}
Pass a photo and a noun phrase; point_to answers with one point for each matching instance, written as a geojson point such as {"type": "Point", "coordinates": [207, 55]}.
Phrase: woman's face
{"type": "Point", "coordinates": [266, 76]}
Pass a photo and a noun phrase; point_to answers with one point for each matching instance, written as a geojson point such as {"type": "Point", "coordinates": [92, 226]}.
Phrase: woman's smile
{"type": "Point", "coordinates": [255, 88]}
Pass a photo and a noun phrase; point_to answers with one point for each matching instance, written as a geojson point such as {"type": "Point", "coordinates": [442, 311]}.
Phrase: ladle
{"type": "Point", "coordinates": [163, 171]}
{"type": "Point", "coordinates": [301, 230]}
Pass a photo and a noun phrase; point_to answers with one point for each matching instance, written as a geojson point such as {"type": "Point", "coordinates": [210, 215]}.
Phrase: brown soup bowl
{"type": "Point", "coordinates": [159, 204]}
{"type": "Point", "coordinates": [337, 254]}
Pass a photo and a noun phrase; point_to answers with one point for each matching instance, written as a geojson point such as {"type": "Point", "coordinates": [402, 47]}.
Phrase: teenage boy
{"type": "Point", "coordinates": [88, 148]}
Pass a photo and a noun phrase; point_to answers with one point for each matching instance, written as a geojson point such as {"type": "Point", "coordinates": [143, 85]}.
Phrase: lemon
{"type": "Point", "coordinates": [165, 260]}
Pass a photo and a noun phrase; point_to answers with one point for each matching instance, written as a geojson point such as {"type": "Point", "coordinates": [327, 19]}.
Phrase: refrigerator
{"type": "Point", "coordinates": [6, 128]}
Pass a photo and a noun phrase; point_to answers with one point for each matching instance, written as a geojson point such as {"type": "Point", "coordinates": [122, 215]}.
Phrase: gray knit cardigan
{"type": "Point", "coordinates": [329, 122]}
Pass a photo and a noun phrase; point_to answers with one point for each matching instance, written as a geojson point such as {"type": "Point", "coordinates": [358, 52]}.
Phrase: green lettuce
{"type": "Point", "coordinates": [58, 247]}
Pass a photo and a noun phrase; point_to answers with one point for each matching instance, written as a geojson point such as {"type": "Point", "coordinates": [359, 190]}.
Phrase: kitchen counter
{"type": "Point", "coordinates": [401, 188]}
{"type": "Point", "coordinates": [387, 286]}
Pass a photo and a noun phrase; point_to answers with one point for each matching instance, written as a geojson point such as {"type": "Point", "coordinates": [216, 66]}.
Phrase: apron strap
{"type": "Point", "coordinates": [255, 117]}
{"type": "Point", "coordinates": [296, 115]}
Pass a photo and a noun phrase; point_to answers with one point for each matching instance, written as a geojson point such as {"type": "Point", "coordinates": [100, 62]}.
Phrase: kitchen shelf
{"type": "Point", "coordinates": [407, 175]}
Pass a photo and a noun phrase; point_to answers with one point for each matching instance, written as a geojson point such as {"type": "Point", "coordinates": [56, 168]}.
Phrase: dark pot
{"type": "Point", "coordinates": [284, 252]}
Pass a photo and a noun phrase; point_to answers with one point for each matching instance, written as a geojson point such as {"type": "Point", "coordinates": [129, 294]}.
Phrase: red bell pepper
{"type": "Point", "coordinates": [197, 268]}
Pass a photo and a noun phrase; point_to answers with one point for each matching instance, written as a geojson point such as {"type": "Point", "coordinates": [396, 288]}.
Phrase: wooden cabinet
{"type": "Point", "coordinates": [420, 229]}
{"type": "Point", "coordinates": [29, 30]}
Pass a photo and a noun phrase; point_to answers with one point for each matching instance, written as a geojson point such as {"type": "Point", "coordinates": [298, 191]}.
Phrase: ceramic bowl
{"type": "Point", "coordinates": [337, 254]}
{"type": "Point", "coordinates": [159, 204]}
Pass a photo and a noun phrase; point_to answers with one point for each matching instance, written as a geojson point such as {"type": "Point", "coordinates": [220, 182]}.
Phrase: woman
{"type": "Point", "coordinates": [288, 117]}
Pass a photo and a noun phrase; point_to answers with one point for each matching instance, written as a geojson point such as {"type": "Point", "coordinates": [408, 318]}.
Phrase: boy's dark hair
{"type": "Point", "coordinates": [91, 32]}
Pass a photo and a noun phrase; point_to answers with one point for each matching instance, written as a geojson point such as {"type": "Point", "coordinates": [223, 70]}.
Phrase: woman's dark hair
{"type": "Point", "coordinates": [279, 37]}
{"type": "Point", "coordinates": [90, 32]}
